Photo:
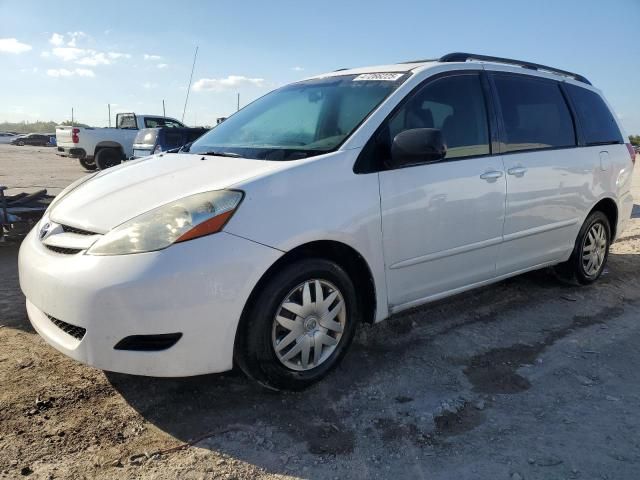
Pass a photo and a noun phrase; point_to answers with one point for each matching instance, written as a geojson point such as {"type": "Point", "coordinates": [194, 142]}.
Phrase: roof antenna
{"type": "Point", "coordinates": [189, 87]}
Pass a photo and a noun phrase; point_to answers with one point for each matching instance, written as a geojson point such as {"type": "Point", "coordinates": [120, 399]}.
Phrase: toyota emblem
{"type": "Point", "coordinates": [44, 230]}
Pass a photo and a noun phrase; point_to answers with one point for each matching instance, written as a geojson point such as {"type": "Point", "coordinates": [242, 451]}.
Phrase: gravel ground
{"type": "Point", "coordinates": [28, 169]}
{"type": "Point", "coordinates": [526, 379]}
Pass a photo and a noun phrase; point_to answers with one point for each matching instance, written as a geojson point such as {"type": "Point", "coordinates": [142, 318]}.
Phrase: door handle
{"type": "Point", "coordinates": [604, 161]}
{"type": "Point", "coordinates": [517, 171]}
{"type": "Point", "coordinates": [491, 176]}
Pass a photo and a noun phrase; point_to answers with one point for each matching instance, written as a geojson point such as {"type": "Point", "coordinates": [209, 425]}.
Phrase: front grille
{"type": "Point", "coordinates": [77, 231]}
{"type": "Point", "coordinates": [63, 250]}
{"type": "Point", "coordinates": [73, 330]}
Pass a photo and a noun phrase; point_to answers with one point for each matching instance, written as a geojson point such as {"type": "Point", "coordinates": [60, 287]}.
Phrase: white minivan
{"type": "Point", "coordinates": [339, 199]}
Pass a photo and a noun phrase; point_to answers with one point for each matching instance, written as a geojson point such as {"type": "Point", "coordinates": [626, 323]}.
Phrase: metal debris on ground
{"type": "Point", "coordinates": [19, 213]}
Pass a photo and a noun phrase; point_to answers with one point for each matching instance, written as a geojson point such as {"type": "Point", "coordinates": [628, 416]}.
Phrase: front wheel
{"type": "Point", "coordinates": [590, 253]}
{"type": "Point", "coordinates": [300, 326]}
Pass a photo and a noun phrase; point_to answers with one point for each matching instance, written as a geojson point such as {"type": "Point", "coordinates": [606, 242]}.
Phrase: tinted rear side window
{"type": "Point", "coordinates": [596, 120]}
{"type": "Point", "coordinates": [534, 112]}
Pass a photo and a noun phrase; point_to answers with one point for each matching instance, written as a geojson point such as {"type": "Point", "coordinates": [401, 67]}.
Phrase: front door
{"type": "Point", "coordinates": [442, 222]}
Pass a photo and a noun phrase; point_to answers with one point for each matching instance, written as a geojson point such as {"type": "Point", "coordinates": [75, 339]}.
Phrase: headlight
{"type": "Point", "coordinates": [185, 219]}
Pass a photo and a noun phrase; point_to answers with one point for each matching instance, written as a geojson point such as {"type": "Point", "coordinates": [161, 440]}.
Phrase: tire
{"type": "Point", "coordinates": [594, 236]}
{"type": "Point", "coordinates": [107, 158]}
{"type": "Point", "coordinates": [259, 332]}
{"type": "Point", "coordinates": [88, 164]}
{"type": "Point", "coordinates": [21, 144]}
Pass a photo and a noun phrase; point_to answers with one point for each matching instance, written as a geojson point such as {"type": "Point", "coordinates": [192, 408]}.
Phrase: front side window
{"type": "Point", "coordinates": [598, 125]}
{"type": "Point", "coordinates": [300, 120]}
{"type": "Point", "coordinates": [534, 112]}
{"type": "Point", "coordinates": [454, 104]}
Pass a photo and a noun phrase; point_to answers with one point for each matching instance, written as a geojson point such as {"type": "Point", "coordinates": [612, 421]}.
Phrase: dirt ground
{"type": "Point", "coordinates": [28, 169]}
{"type": "Point", "coordinates": [526, 379]}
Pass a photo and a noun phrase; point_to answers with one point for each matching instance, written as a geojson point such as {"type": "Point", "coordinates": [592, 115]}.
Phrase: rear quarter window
{"type": "Point", "coordinates": [596, 120]}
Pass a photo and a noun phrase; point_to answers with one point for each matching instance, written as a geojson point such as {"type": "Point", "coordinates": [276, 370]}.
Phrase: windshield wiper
{"type": "Point", "coordinates": [221, 154]}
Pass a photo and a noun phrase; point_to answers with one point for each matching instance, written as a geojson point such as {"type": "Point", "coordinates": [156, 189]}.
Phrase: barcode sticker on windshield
{"type": "Point", "coordinates": [391, 77]}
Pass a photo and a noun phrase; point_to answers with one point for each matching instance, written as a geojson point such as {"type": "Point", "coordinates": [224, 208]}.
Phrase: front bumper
{"type": "Point", "coordinates": [197, 288]}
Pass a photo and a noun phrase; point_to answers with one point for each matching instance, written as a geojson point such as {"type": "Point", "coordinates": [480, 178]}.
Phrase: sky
{"type": "Point", "coordinates": [132, 55]}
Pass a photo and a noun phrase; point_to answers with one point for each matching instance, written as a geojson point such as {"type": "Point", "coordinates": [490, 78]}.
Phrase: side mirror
{"type": "Point", "coordinates": [417, 145]}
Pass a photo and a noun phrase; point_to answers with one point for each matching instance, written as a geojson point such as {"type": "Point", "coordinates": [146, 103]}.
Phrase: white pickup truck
{"type": "Point", "coordinates": [105, 147]}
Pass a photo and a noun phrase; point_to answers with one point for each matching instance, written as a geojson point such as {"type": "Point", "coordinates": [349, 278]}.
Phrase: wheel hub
{"type": "Point", "coordinates": [594, 249]}
{"type": "Point", "coordinates": [308, 325]}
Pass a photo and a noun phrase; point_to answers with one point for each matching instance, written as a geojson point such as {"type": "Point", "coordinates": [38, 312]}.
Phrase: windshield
{"type": "Point", "coordinates": [300, 120]}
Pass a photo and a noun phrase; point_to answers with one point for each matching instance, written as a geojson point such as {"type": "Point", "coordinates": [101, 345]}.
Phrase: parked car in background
{"type": "Point", "coordinates": [340, 199]}
{"type": "Point", "coordinates": [156, 140]}
{"type": "Point", "coordinates": [36, 139]}
{"type": "Point", "coordinates": [105, 147]}
{"type": "Point", "coordinates": [6, 137]}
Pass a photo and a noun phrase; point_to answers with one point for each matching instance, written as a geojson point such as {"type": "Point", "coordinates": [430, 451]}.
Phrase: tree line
{"type": "Point", "coordinates": [35, 127]}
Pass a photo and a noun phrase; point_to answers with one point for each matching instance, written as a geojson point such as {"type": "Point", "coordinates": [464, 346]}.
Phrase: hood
{"type": "Point", "coordinates": [126, 191]}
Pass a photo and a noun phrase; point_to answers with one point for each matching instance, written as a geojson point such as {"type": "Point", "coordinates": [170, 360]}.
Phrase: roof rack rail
{"type": "Point", "coordinates": [424, 60]}
{"type": "Point", "coordinates": [463, 57]}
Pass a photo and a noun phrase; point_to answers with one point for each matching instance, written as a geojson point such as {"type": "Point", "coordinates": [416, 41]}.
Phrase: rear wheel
{"type": "Point", "coordinates": [107, 158]}
{"type": "Point", "coordinates": [88, 164]}
{"type": "Point", "coordinates": [590, 253]}
{"type": "Point", "coordinates": [300, 325]}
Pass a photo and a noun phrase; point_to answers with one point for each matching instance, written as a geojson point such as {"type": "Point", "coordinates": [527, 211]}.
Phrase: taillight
{"type": "Point", "coordinates": [74, 135]}
{"type": "Point", "coordinates": [632, 152]}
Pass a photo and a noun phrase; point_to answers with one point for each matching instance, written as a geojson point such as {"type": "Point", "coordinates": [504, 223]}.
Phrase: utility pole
{"type": "Point", "coordinates": [109, 106]}
{"type": "Point", "coordinates": [238, 102]}
{"type": "Point", "coordinates": [72, 116]}
{"type": "Point", "coordinates": [164, 113]}
{"type": "Point", "coordinates": [189, 87]}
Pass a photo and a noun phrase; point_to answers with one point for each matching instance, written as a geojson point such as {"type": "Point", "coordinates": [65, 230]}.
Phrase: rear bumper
{"type": "Point", "coordinates": [72, 152]}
